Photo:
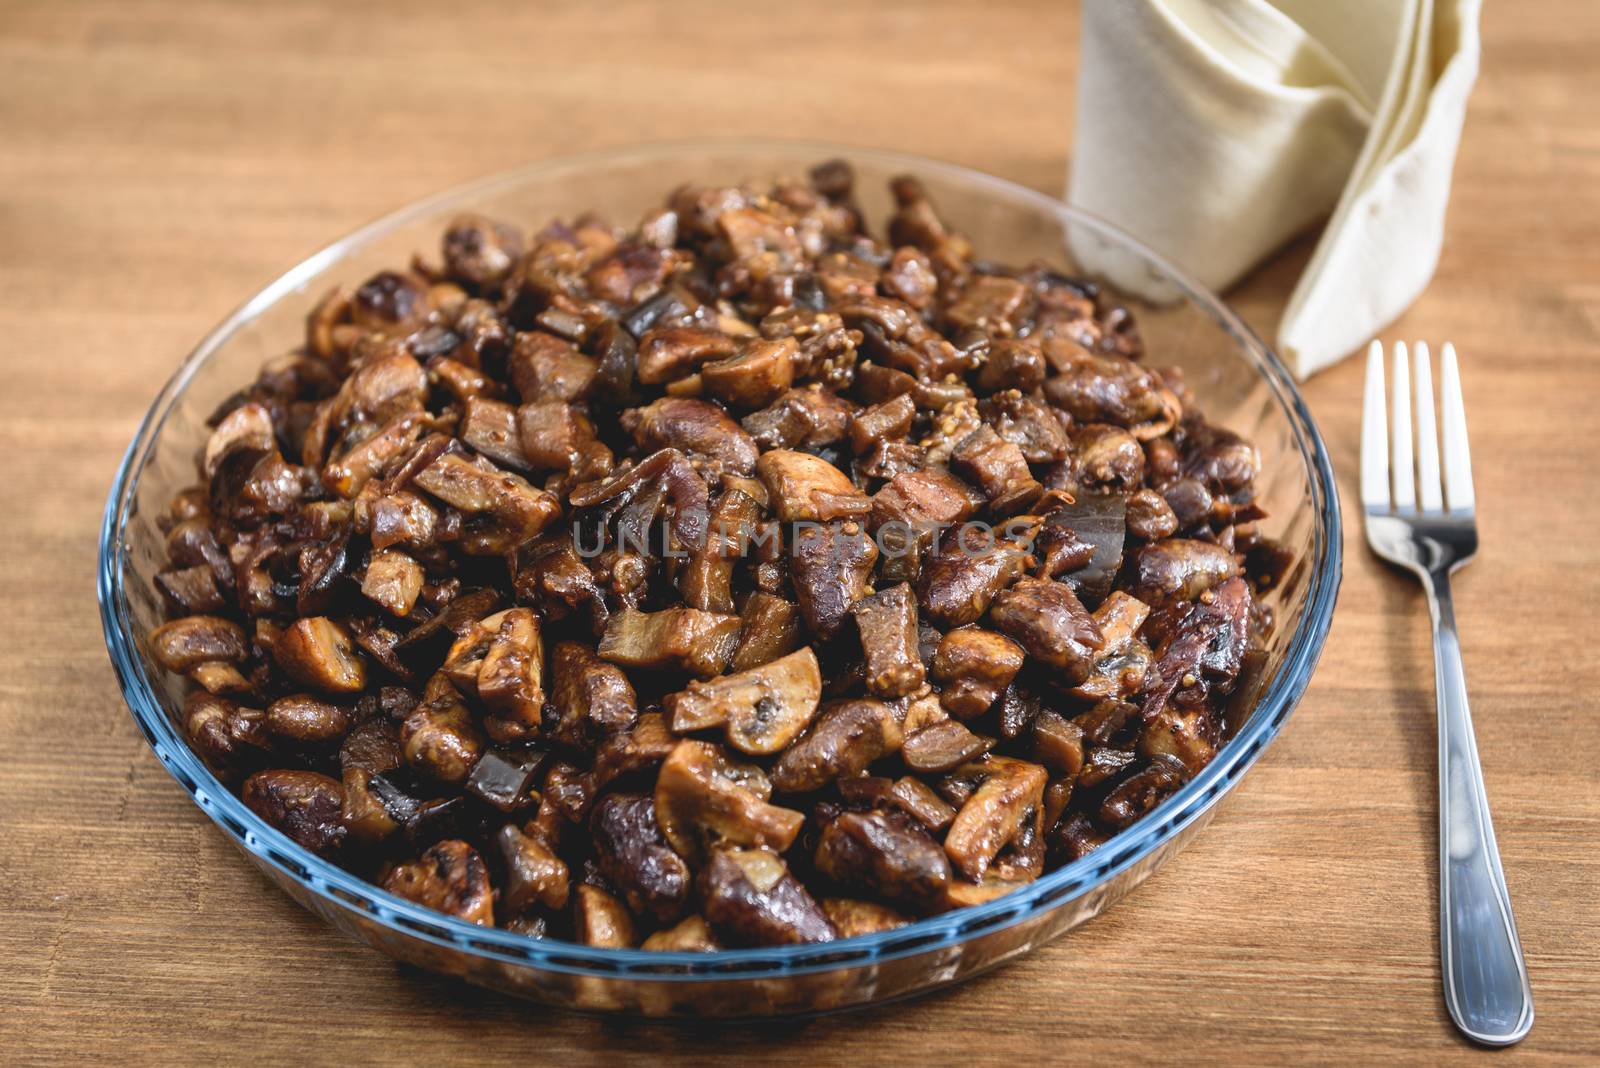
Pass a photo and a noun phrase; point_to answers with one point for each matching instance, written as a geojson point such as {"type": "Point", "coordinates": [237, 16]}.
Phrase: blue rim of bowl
{"type": "Point", "coordinates": [351, 893]}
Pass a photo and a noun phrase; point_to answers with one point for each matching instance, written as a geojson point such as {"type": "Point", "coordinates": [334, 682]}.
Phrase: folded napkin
{"type": "Point", "coordinates": [1216, 130]}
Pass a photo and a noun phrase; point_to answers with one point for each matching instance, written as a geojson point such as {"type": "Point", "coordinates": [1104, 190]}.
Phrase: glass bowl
{"type": "Point", "coordinates": [1238, 380]}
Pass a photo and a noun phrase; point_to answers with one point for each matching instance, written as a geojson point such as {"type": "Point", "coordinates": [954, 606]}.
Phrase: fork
{"type": "Point", "coordinates": [1428, 525]}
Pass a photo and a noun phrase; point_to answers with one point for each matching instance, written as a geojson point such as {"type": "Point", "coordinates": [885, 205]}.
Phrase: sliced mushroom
{"type": "Point", "coordinates": [638, 494]}
{"type": "Point", "coordinates": [1179, 569]}
{"type": "Point", "coordinates": [882, 422]}
{"type": "Point", "coordinates": [393, 580]}
{"type": "Point", "coordinates": [228, 737]}
{"type": "Point", "coordinates": [450, 878]}
{"type": "Point", "coordinates": [703, 800]}
{"type": "Point", "coordinates": [942, 746]}
{"type": "Point", "coordinates": [887, 623]}
{"type": "Point", "coordinates": [999, 469]}
{"type": "Point", "coordinates": [599, 919]}
{"type": "Point", "coordinates": [959, 582]}
{"type": "Point", "coordinates": [481, 251]}
{"type": "Point", "coordinates": [489, 427]}
{"type": "Point", "coordinates": [304, 805]}
{"type": "Point", "coordinates": [246, 428]}
{"type": "Point", "coordinates": [317, 652]}
{"type": "Point", "coordinates": [762, 709]}
{"type": "Point", "coordinates": [511, 678]}
{"type": "Point", "coordinates": [1058, 744]}
{"type": "Point", "coordinates": [755, 376]}
{"type": "Point", "coordinates": [1012, 790]}
{"type": "Point", "coordinates": [846, 739]}
{"type": "Point", "coordinates": [806, 488]}
{"type": "Point", "coordinates": [683, 639]}
{"type": "Point", "coordinates": [707, 580]}
{"type": "Point", "coordinates": [544, 367]}
{"type": "Point", "coordinates": [750, 899]}
{"type": "Point", "coordinates": [1140, 792]}
{"type": "Point", "coordinates": [513, 511]}
{"type": "Point", "coordinates": [551, 434]}
{"type": "Point", "coordinates": [668, 353]}
{"type": "Point", "coordinates": [365, 817]}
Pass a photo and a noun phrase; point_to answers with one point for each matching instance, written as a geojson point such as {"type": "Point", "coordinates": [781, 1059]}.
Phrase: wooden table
{"type": "Point", "coordinates": [160, 160]}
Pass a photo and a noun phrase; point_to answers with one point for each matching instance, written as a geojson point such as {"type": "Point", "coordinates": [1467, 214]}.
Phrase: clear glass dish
{"type": "Point", "coordinates": [1239, 382]}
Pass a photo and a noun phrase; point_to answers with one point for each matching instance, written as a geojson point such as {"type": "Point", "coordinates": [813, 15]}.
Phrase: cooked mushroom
{"type": "Point", "coordinates": [974, 666]}
{"type": "Point", "coordinates": [534, 874]}
{"type": "Point", "coordinates": [750, 899]}
{"type": "Point", "coordinates": [703, 800]}
{"type": "Point", "coordinates": [304, 805]}
{"type": "Point", "coordinates": [960, 581]}
{"type": "Point", "coordinates": [672, 352]}
{"type": "Point", "coordinates": [884, 856]}
{"type": "Point", "coordinates": [439, 736]}
{"type": "Point", "coordinates": [449, 877]}
{"type": "Point", "coordinates": [806, 488]}
{"type": "Point", "coordinates": [770, 627]}
{"type": "Point", "coordinates": [1046, 618]}
{"type": "Point", "coordinates": [830, 566]}
{"type": "Point", "coordinates": [1180, 569]}
{"type": "Point", "coordinates": [999, 469]}
{"type": "Point", "coordinates": [761, 709]}
{"type": "Point", "coordinates": [691, 935]}
{"type": "Point", "coordinates": [318, 652]}
{"type": "Point", "coordinates": [942, 746]}
{"type": "Point", "coordinates": [707, 580]}
{"type": "Point", "coordinates": [1012, 791]}
{"type": "Point", "coordinates": [847, 737]}
{"type": "Point", "coordinates": [304, 720]}
{"type": "Point", "coordinates": [186, 643]}
{"type": "Point", "coordinates": [882, 422]}
{"type": "Point", "coordinates": [696, 427]}
{"type": "Point", "coordinates": [754, 377]}
{"type": "Point", "coordinates": [393, 580]}
{"type": "Point", "coordinates": [588, 697]}
{"type": "Point", "coordinates": [229, 737]}
{"type": "Point", "coordinates": [887, 623]}
{"type": "Point", "coordinates": [544, 367]}
{"type": "Point", "coordinates": [632, 854]}
{"type": "Point", "coordinates": [683, 639]}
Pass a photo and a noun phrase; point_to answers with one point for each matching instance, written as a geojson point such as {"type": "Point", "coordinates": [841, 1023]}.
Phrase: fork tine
{"type": "Point", "coordinates": [1401, 468]}
{"type": "Point", "coordinates": [1429, 496]}
{"type": "Point", "coordinates": [1375, 435]}
{"type": "Point", "coordinates": [1457, 456]}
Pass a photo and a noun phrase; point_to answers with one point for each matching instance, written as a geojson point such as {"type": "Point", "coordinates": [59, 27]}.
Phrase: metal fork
{"type": "Point", "coordinates": [1430, 528]}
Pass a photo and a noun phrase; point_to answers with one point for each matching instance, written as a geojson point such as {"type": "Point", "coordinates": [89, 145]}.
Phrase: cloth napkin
{"type": "Point", "coordinates": [1216, 130]}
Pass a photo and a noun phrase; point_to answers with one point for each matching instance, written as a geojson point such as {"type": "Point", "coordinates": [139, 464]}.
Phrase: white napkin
{"type": "Point", "coordinates": [1216, 130]}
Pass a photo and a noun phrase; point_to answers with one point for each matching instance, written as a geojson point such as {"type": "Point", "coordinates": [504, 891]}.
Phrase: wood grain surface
{"type": "Point", "coordinates": [160, 160]}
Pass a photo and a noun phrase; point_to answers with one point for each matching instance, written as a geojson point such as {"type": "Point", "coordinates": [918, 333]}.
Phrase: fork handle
{"type": "Point", "coordinates": [1485, 978]}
